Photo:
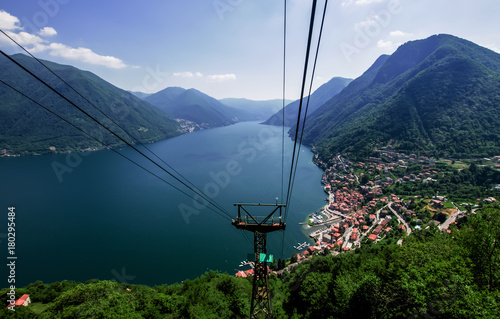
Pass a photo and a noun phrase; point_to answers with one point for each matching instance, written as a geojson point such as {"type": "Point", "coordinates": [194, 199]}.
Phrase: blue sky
{"type": "Point", "coordinates": [231, 48]}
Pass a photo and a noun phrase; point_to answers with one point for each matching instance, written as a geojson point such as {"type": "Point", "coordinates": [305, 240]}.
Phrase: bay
{"type": "Point", "coordinates": [92, 215]}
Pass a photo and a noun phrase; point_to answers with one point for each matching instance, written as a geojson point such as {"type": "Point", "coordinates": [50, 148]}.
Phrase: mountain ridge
{"type": "Point", "coordinates": [423, 98]}
{"type": "Point", "coordinates": [25, 128]}
{"type": "Point", "coordinates": [194, 106]}
{"type": "Point", "coordinates": [318, 98]}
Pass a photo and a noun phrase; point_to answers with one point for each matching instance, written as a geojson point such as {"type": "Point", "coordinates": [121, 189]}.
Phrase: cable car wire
{"type": "Point", "coordinates": [112, 149]}
{"type": "Point", "coordinates": [309, 39]}
{"type": "Point", "coordinates": [98, 109]}
{"type": "Point", "coordinates": [309, 94]}
{"type": "Point", "coordinates": [283, 124]}
{"type": "Point", "coordinates": [113, 133]}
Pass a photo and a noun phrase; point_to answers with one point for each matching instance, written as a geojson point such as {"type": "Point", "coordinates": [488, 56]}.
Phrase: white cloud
{"type": "Point", "coordinates": [222, 77]}
{"type": "Point", "coordinates": [399, 33]}
{"type": "Point", "coordinates": [385, 44]}
{"type": "Point", "coordinates": [47, 32]}
{"type": "Point", "coordinates": [35, 44]}
{"type": "Point", "coordinates": [8, 21]}
{"type": "Point", "coordinates": [25, 38]}
{"type": "Point", "coordinates": [188, 74]}
{"type": "Point", "coordinates": [366, 23]}
{"type": "Point", "coordinates": [213, 77]}
{"type": "Point", "coordinates": [360, 2]}
{"type": "Point", "coordinates": [85, 55]}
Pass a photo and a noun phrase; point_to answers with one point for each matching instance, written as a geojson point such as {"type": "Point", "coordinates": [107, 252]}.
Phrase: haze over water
{"type": "Point", "coordinates": [109, 219]}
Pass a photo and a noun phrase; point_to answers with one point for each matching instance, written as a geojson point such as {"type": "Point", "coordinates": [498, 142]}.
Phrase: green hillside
{"type": "Point", "coordinates": [439, 96]}
{"type": "Point", "coordinates": [26, 128]}
{"type": "Point", "coordinates": [197, 107]}
{"type": "Point", "coordinates": [319, 97]}
{"type": "Point", "coordinates": [431, 275]}
{"type": "Point", "coordinates": [257, 110]}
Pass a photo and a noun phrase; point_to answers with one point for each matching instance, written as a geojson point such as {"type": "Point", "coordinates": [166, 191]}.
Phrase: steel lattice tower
{"type": "Point", "coordinates": [260, 226]}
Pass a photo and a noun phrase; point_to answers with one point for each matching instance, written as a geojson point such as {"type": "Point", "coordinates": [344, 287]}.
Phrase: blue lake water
{"type": "Point", "coordinates": [96, 215]}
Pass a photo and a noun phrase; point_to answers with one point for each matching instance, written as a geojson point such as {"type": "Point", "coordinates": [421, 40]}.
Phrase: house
{"type": "Point", "coordinates": [25, 300]}
{"type": "Point", "coordinates": [249, 272]}
{"type": "Point", "coordinates": [372, 237]}
{"type": "Point", "coordinates": [354, 236]}
{"type": "Point", "coordinates": [327, 238]}
{"type": "Point", "coordinates": [489, 200]}
{"type": "Point", "coordinates": [437, 203]}
{"type": "Point", "coordinates": [312, 249]}
{"type": "Point", "coordinates": [241, 274]}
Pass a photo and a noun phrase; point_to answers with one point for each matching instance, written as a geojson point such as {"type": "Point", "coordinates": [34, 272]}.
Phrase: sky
{"type": "Point", "coordinates": [232, 48]}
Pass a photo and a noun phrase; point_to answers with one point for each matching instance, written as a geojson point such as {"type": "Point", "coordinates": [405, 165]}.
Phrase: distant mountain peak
{"type": "Point", "coordinates": [318, 98]}
{"type": "Point", "coordinates": [438, 95]}
{"type": "Point", "coordinates": [26, 128]}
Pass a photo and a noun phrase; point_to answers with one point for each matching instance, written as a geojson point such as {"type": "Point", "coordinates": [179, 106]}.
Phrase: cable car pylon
{"type": "Point", "coordinates": [260, 226]}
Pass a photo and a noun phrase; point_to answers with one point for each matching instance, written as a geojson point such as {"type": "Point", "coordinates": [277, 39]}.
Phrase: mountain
{"type": "Point", "coordinates": [318, 98]}
{"type": "Point", "coordinates": [164, 98]}
{"type": "Point", "coordinates": [140, 95]}
{"type": "Point", "coordinates": [197, 107]}
{"type": "Point", "coordinates": [26, 128]}
{"type": "Point", "coordinates": [257, 110]}
{"type": "Point", "coordinates": [439, 96]}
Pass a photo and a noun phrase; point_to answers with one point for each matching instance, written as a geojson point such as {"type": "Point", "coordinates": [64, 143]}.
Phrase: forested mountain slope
{"type": "Point", "coordinates": [439, 96]}
{"type": "Point", "coordinates": [26, 128]}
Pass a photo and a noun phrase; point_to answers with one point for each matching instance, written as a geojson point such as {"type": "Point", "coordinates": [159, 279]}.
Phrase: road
{"type": "Point", "coordinates": [400, 219]}
{"type": "Point", "coordinates": [451, 219]}
{"type": "Point", "coordinates": [375, 223]}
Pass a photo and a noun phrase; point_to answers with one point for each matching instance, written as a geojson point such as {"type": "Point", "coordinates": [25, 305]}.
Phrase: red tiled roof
{"type": "Point", "coordinates": [20, 301]}
{"type": "Point", "coordinates": [372, 237]}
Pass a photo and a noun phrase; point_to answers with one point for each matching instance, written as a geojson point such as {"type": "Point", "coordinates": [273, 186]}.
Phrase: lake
{"type": "Point", "coordinates": [96, 215]}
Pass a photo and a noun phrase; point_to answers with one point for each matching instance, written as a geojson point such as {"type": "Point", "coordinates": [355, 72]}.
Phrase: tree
{"type": "Point", "coordinates": [481, 239]}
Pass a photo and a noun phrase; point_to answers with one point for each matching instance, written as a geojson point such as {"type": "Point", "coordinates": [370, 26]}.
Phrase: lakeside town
{"type": "Point", "coordinates": [360, 210]}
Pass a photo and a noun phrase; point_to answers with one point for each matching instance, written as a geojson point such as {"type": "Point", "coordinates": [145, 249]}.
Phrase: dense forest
{"type": "Point", "coordinates": [26, 128]}
{"type": "Point", "coordinates": [438, 96]}
{"type": "Point", "coordinates": [432, 275]}
{"type": "Point", "coordinates": [465, 185]}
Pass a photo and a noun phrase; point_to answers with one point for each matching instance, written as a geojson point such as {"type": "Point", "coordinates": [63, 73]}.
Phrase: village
{"type": "Point", "coordinates": [358, 212]}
